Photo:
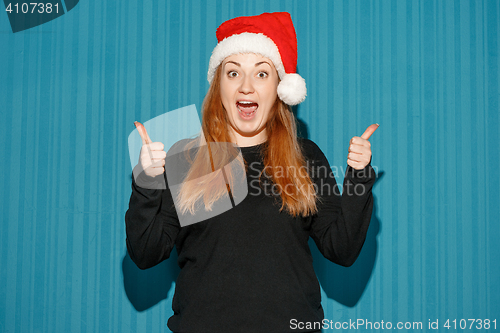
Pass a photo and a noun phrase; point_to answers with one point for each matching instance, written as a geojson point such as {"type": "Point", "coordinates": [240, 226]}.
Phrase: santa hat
{"type": "Point", "coordinates": [271, 35]}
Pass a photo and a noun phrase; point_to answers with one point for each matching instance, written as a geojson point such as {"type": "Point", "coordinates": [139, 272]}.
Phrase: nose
{"type": "Point", "coordinates": [246, 85]}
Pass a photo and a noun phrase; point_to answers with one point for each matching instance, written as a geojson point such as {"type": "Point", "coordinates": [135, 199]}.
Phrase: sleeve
{"type": "Point", "coordinates": [152, 225]}
{"type": "Point", "coordinates": [339, 228]}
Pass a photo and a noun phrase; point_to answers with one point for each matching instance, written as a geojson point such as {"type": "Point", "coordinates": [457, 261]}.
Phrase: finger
{"type": "Point", "coordinates": [356, 165]}
{"type": "Point", "coordinates": [147, 152]}
{"type": "Point", "coordinates": [353, 164]}
{"type": "Point", "coordinates": [156, 155]}
{"type": "Point", "coordinates": [143, 133]}
{"type": "Point", "coordinates": [156, 168]}
{"type": "Point", "coordinates": [153, 172]}
{"type": "Point", "coordinates": [147, 161]}
{"type": "Point", "coordinates": [156, 146]}
{"type": "Point", "coordinates": [358, 149]}
{"type": "Point", "coordinates": [358, 158]}
{"type": "Point", "coordinates": [369, 131]}
{"type": "Point", "coordinates": [158, 163]}
{"type": "Point", "coordinates": [356, 140]}
{"type": "Point", "coordinates": [355, 157]}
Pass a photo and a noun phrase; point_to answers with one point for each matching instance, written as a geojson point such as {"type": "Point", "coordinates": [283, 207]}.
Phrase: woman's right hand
{"type": "Point", "coordinates": [152, 156]}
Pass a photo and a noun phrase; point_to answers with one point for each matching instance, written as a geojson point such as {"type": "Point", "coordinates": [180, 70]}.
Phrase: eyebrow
{"type": "Point", "coordinates": [262, 62]}
{"type": "Point", "coordinates": [233, 62]}
{"type": "Point", "coordinates": [239, 65]}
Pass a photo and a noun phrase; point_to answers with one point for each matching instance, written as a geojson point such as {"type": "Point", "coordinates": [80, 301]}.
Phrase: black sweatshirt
{"type": "Point", "coordinates": [250, 268]}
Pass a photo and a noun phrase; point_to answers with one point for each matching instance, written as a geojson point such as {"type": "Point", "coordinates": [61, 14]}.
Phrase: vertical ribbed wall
{"type": "Point", "coordinates": [70, 90]}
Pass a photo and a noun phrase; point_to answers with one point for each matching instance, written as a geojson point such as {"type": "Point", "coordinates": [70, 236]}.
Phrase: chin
{"type": "Point", "coordinates": [248, 132]}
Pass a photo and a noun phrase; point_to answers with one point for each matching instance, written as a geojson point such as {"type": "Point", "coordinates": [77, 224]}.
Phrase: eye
{"type": "Point", "coordinates": [232, 74]}
{"type": "Point", "coordinates": [263, 74]}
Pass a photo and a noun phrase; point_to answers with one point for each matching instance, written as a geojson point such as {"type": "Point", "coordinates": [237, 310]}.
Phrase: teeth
{"type": "Point", "coordinates": [245, 105]}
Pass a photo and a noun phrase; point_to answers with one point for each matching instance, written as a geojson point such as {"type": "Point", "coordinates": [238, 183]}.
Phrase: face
{"type": "Point", "coordinates": [248, 89]}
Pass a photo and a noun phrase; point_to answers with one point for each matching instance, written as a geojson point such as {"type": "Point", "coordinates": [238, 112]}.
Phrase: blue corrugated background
{"type": "Point", "coordinates": [427, 71]}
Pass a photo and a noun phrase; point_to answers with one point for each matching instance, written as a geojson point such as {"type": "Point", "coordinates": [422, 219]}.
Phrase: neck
{"type": "Point", "coordinates": [248, 141]}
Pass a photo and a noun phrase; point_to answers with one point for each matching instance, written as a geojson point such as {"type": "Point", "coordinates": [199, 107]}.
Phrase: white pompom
{"type": "Point", "coordinates": [292, 89]}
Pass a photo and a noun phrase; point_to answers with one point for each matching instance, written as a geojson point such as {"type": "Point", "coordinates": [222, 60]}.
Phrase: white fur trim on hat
{"type": "Point", "coordinates": [292, 89]}
{"type": "Point", "coordinates": [245, 43]}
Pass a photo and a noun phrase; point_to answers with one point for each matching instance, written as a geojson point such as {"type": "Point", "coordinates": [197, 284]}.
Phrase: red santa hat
{"type": "Point", "coordinates": [271, 35]}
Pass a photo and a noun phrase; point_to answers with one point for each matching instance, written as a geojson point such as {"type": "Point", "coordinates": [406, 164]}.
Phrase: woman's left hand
{"type": "Point", "coordinates": [360, 152]}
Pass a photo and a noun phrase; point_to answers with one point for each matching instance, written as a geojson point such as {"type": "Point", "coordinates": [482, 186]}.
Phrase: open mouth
{"type": "Point", "coordinates": [247, 109]}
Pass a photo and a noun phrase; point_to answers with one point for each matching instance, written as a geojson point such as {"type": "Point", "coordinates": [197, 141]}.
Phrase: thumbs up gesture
{"type": "Point", "coordinates": [360, 152]}
{"type": "Point", "coordinates": [152, 156]}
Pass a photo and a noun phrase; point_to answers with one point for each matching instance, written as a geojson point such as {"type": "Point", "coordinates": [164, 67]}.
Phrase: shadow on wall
{"type": "Point", "coordinates": [347, 284]}
{"type": "Point", "coordinates": [146, 288]}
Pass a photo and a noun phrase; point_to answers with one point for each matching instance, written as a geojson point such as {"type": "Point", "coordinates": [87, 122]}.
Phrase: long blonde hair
{"type": "Point", "coordinates": [281, 152]}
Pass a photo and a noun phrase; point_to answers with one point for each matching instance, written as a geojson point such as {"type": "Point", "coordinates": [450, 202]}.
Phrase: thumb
{"type": "Point", "coordinates": [369, 131]}
{"type": "Point", "coordinates": [142, 132]}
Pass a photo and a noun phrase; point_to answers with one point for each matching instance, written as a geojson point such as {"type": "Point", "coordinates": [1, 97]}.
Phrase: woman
{"type": "Point", "coordinates": [250, 268]}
